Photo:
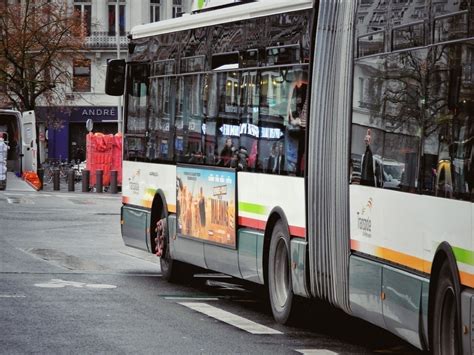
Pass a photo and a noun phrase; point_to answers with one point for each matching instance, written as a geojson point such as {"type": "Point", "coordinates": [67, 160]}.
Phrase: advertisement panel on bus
{"type": "Point", "coordinates": [206, 204]}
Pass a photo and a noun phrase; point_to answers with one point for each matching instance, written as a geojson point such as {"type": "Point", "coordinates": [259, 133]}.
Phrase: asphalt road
{"type": "Point", "coordinates": [69, 286]}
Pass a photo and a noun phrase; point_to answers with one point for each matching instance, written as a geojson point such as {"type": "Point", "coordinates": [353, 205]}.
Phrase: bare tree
{"type": "Point", "coordinates": [39, 40]}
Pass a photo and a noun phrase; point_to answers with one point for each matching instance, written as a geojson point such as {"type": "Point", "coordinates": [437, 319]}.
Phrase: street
{"type": "Point", "coordinates": [69, 285]}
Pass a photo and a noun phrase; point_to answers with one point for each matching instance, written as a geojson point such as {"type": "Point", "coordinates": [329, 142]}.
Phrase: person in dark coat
{"type": "Point", "coordinates": [367, 169]}
{"type": "Point", "coordinates": [226, 153]}
{"type": "Point", "coordinates": [279, 161]}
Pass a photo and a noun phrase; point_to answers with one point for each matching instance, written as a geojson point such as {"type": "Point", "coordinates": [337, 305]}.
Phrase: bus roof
{"type": "Point", "coordinates": [223, 15]}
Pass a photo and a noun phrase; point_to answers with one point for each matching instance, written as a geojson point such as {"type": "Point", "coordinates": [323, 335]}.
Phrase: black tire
{"type": "Point", "coordinates": [280, 287]}
{"type": "Point", "coordinates": [168, 267]}
{"type": "Point", "coordinates": [173, 270]}
{"type": "Point", "coordinates": [446, 332]}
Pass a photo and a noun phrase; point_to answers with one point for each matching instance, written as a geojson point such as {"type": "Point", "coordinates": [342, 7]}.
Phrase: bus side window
{"type": "Point", "coordinates": [249, 112]}
{"type": "Point", "coordinates": [134, 148]}
{"type": "Point", "coordinates": [138, 98]}
{"type": "Point", "coordinates": [283, 119]}
{"type": "Point", "coordinates": [297, 120]}
{"type": "Point", "coordinates": [160, 132]}
{"type": "Point", "coordinates": [228, 124]}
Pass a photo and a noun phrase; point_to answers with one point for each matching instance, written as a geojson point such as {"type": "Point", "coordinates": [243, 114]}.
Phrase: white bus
{"type": "Point", "coordinates": [321, 148]}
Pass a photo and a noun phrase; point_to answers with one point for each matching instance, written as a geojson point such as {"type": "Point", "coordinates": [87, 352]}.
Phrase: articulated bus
{"type": "Point", "coordinates": [324, 149]}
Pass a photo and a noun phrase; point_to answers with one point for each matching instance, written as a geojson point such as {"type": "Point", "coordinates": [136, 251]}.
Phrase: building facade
{"type": "Point", "coordinates": [87, 99]}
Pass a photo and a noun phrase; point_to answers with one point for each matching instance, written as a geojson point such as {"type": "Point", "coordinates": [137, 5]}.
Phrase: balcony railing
{"type": "Point", "coordinates": [102, 40]}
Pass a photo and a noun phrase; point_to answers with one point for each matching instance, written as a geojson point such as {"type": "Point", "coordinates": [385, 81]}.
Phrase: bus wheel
{"type": "Point", "coordinates": [279, 274]}
{"type": "Point", "coordinates": [175, 271]}
{"type": "Point", "coordinates": [445, 318]}
{"type": "Point", "coordinates": [167, 267]}
{"type": "Point", "coordinates": [167, 264]}
{"type": "Point", "coordinates": [171, 270]}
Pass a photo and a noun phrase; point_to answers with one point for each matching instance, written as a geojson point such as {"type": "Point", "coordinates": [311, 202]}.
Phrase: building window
{"type": "Point", "coordinates": [83, 9]}
{"type": "Point", "coordinates": [81, 75]}
{"type": "Point", "coordinates": [155, 7]}
{"type": "Point", "coordinates": [112, 8]}
{"type": "Point", "coordinates": [177, 8]}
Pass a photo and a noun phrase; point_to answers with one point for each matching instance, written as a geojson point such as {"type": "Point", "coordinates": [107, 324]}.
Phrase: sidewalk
{"type": "Point", "coordinates": [64, 187]}
{"type": "Point", "coordinates": [15, 183]}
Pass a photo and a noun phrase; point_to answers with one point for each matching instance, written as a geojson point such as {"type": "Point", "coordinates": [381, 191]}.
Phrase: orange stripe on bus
{"type": "Point", "coordinates": [392, 255]}
{"type": "Point", "coordinates": [147, 203]}
{"type": "Point", "coordinates": [404, 259]}
{"type": "Point", "coordinates": [172, 208]}
{"type": "Point", "coordinates": [412, 262]}
{"type": "Point", "coordinates": [466, 278]}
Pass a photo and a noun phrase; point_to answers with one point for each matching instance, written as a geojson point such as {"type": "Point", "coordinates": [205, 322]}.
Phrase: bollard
{"type": "Point", "coordinates": [40, 173]}
{"type": "Point", "coordinates": [85, 180]}
{"type": "Point", "coordinates": [113, 182]}
{"type": "Point", "coordinates": [56, 179]}
{"type": "Point", "coordinates": [99, 174]}
{"type": "Point", "coordinates": [71, 179]}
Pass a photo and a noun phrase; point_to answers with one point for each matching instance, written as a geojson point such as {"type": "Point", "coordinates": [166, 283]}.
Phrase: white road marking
{"type": "Point", "coordinates": [58, 283]}
{"type": "Point", "coordinates": [316, 352]}
{"type": "Point", "coordinates": [19, 200]}
{"type": "Point", "coordinates": [103, 286]}
{"type": "Point", "coordinates": [12, 296]}
{"type": "Point", "coordinates": [229, 318]}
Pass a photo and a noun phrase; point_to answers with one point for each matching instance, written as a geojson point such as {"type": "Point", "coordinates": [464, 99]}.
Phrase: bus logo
{"type": "Point", "coordinates": [364, 222]}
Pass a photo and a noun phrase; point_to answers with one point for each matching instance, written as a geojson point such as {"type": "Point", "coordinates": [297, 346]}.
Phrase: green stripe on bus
{"type": "Point", "coordinates": [464, 256]}
{"type": "Point", "coordinates": [461, 255]}
{"type": "Point", "coordinates": [252, 208]}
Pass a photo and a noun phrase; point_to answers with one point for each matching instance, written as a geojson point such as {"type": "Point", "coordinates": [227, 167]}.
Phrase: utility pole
{"type": "Point", "coordinates": [117, 39]}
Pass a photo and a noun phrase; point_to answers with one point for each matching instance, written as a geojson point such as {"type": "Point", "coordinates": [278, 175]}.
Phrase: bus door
{"type": "Point", "coordinates": [29, 142]}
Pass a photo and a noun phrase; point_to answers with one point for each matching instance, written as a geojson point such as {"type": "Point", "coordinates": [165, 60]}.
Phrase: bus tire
{"type": "Point", "coordinates": [446, 335]}
{"type": "Point", "coordinates": [173, 270]}
{"type": "Point", "coordinates": [279, 274]}
{"type": "Point", "coordinates": [168, 268]}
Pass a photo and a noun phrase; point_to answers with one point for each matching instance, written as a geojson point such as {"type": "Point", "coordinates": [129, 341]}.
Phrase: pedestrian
{"type": "Point", "coordinates": [3, 162]}
{"type": "Point", "coordinates": [367, 176]}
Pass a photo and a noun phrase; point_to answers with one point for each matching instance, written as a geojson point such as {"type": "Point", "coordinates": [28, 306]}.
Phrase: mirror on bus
{"type": "Point", "coordinates": [115, 77]}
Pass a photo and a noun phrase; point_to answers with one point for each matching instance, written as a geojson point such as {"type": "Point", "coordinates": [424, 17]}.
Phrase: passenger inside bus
{"type": "Point", "coordinates": [297, 102]}
{"type": "Point", "coordinates": [227, 153]}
